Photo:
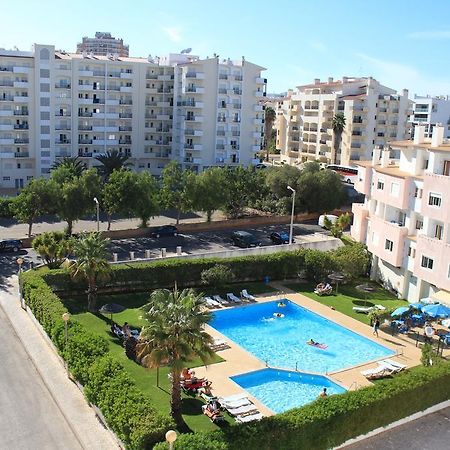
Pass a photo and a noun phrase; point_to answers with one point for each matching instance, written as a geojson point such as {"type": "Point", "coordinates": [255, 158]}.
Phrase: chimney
{"type": "Point", "coordinates": [316, 80]}
{"type": "Point", "coordinates": [419, 134]}
{"type": "Point", "coordinates": [437, 138]}
{"type": "Point", "coordinates": [330, 79]}
{"type": "Point", "coordinates": [385, 158]}
{"type": "Point", "coordinates": [376, 154]}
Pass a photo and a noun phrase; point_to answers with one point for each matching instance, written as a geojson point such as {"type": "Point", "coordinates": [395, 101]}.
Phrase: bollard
{"type": "Point", "coordinates": [131, 255]}
{"type": "Point", "coordinates": [179, 250]}
{"type": "Point", "coordinates": [115, 257]}
{"type": "Point", "coordinates": [163, 252]}
{"type": "Point", "coordinates": [147, 254]}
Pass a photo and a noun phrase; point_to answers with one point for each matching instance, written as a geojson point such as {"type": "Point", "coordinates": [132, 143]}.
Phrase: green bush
{"type": "Point", "coordinates": [318, 264]}
{"type": "Point", "coordinates": [217, 276]}
{"type": "Point", "coordinates": [6, 207]}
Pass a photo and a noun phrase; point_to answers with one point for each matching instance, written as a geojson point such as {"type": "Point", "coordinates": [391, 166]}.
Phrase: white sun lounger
{"type": "Point", "coordinates": [379, 370]}
{"type": "Point", "coordinates": [232, 298]}
{"type": "Point", "coordinates": [363, 309]}
{"type": "Point", "coordinates": [380, 307]}
{"type": "Point", "coordinates": [219, 299]}
{"type": "Point", "coordinates": [219, 344]}
{"type": "Point", "coordinates": [395, 363]}
{"type": "Point", "coordinates": [212, 303]}
{"type": "Point", "coordinates": [246, 295]}
{"type": "Point", "coordinates": [249, 418]}
{"type": "Point", "coordinates": [236, 403]}
{"type": "Point", "coordinates": [391, 367]}
{"type": "Point", "coordinates": [243, 410]}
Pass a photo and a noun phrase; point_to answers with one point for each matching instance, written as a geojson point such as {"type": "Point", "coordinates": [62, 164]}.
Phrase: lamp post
{"type": "Point", "coordinates": [66, 318]}
{"type": "Point", "coordinates": [20, 263]}
{"type": "Point", "coordinates": [292, 214]}
{"type": "Point", "coordinates": [171, 437]}
{"type": "Point", "coordinates": [97, 206]}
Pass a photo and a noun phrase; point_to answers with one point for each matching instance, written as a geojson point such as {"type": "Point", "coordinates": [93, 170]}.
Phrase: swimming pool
{"type": "Point", "coordinates": [281, 342]}
{"type": "Point", "coordinates": [281, 390]}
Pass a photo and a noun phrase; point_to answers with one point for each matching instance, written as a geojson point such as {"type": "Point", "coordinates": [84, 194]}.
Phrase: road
{"type": "Point", "coordinates": [431, 432]}
{"type": "Point", "coordinates": [29, 417]}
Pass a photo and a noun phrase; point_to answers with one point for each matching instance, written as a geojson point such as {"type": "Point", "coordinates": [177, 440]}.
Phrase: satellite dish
{"type": "Point", "coordinates": [186, 50]}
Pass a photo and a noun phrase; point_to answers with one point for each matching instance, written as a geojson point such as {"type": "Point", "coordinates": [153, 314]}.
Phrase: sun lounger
{"type": "Point", "coordinates": [247, 296]}
{"type": "Point", "coordinates": [241, 410]}
{"type": "Point", "coordinates": [363, 309]}
{"type": "Point", "coordinates": [236, 403]}
{"type": "Point", "coordinates": [212, 303]}
{"type": "Point", "coordinates": [232, 298]}
{"type": "Point", "coordinates": [233, 398]}
{"type": "Point", "coordinates": [391, 367]}
{"type": "Point", "coordinates": [219, 299]}
{"type": "Point", "coordinates": [219, 344]}
{"type": "Point", "coordinates": [380, 371]}
{"type": "Point", "coordinates": [380, 307]}
{"type": "Point", "coordinates": [395, 363]}
{"type": "Point", "coordinates": [249, 418]}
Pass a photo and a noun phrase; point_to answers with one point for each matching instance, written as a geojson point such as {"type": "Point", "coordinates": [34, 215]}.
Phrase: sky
{"type": "Point", "coordinates": [401, 43]}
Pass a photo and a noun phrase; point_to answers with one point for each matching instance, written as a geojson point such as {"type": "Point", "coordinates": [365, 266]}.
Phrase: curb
{"type": "Point", "coordinates": [397, 423]}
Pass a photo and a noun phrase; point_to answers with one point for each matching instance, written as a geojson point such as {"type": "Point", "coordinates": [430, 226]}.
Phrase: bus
{"type": "Point", "coordinates": [348, 174]}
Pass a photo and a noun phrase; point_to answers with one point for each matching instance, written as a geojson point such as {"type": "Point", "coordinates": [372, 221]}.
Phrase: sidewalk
{"type": "Point", "coordinates": [73, 406]}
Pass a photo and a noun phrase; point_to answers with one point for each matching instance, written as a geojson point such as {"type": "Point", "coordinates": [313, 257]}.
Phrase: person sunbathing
{"type": "Point", "coordinates": [212, 410]}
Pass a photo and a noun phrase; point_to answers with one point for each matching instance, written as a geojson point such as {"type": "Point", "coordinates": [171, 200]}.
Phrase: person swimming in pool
{"type": "Point", "coordinates": [281, 304]}
{"type": "Point", "coordinates": [312, 342]}
{"type": "Point", "coordinates": [278, 315]}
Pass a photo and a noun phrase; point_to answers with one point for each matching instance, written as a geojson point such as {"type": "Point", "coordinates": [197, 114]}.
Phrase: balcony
{"type": "Point", "coordinates": [126, 116]}
{"type": "Point", "coordinates": [6, 98]}
{"type": "Point", "coordinates": [21, 141]}
{"type": "Point", "coordinates": [197, 75]}
{"type": "Point", "coordinates": [7, 127]}
{"type": "Point", "coordinates": [195, 90]}
{"type": "Point", "coordinates": [85, 87]}
{"type": "Point", "coordinates": [125, 141]}
{"type": "Point", "coordinates": [62, 86]}
{"type": "Point", "coordinates": [126, 74]}
{"type": "Point", "coordinates": [21, 84]}
{"type": "Point", "coordinates": [85, 127]}
{"type": "Point", "coordinates": [358, 230]}
{"type": "Point", "coordinates": [21, 155]}
{"type": "Point", "coordinates": [22, 69]}
{"type": "Point", "coordinates": [85, 154]}
{"type": "Point", "coordinates": [194, 118]}
{"type": "Point", "coordinates": [125, 102]}
{"type": "Point", "coordinates": [259, 94]}
{"type": "Point", "coordinates": [189, 132]}
{"type": "Point", "coordinates": [62, 153]}
{"type": "Point", "coordinates": [80, 114]}
{"type": "Point", "coordinates": [439, 184]}
{"type": "Point", "coordinates": [21, 112]}
{"type": "Point", "coordinates": [125, 128]}
{"type": "Point", "coordinates": [85, 73]}
{"type": "Point", "coordinates": [63, 127]}
{"type": "Point", "coordinates": [98, 73]}
{"type": "Point", "coordinates": [259, 80]}
{"type": "Point", "coordinates": [62, 141]}
{"type": "Point", "coordinates": [6, 140]}
{"type": "Point", "coordinates": [6, 155]}
{"type": "Point", "coordinates": [126, 89]}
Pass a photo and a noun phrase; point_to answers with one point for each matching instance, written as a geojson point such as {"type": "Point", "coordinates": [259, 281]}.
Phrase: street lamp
{"type": "Point", "coordinates": [97, 205]}
{"type": "Point", "coordinates": [171, 437]}
{"type": "Point", "coordinates": [20, 261]}
{"type": "Point", "coordinates": [66, 318]}
{"type": "Point", "coordinates": [292, 214]}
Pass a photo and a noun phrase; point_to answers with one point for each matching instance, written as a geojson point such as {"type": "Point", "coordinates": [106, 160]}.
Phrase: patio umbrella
{"type": "Point", "coordinates": [112, 308]}
{"type": "Point", "coordinates": [428, 301]}
{"type": "Point", "coordinates": [337, 277]}
{"type": "Point", "coordinates": [418, 306]}
{"type": "Point", "coordinates": [437, 310]}
{"type": "Point", "coordinates": [365, 288]}
{"type": "Point", "coordinates": [400, 311]}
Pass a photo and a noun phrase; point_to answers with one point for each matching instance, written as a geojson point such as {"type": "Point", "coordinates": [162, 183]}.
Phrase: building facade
{"type": "Point", "coordinates": [373, 114]}
{"type": "Point", "coordinates": [429, 111]}
{"type": "Point", "coordinates": [103, 44]}
{"type": "Point", "coordinates": [199, 112]}
{"type": "Point", "coordinates": [405, 220]}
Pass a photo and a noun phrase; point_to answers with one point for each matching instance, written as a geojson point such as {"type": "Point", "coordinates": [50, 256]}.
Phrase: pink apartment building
{"type": "Point", "coordinates": [405, 219]}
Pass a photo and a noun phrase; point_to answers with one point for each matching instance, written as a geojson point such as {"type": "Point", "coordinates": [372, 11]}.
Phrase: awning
{"type": "Point", "coordinates": [442, 296]}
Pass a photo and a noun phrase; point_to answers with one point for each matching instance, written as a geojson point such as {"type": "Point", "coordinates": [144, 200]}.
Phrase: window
{"type": "Point", "coordinates": [380, 185]}
{"type": "Point", "coordinates": [438, 231]}
{"type": "Point", "coordinates": [427, 263]}
{"type": "Point", "coordinates": [435, 200]}
{"type": "Point", "coordinates": [44, 101]}
{"type": "Point", "coordinates": [6, 178]}
{"type": "Point", "coordinates": [419, 224]}
{"type": "Point", "coordinates": [411, 252]}
{"type": "Point", "coordinates": [418, 193]}
{"type": "Point", "coordinates": [388, 245]}
{"type": "Point", "coordinates": [395, 189]}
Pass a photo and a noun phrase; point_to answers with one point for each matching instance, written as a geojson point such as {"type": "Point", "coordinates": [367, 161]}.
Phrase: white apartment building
{"type": "Point", "coordinates": [200, 112]}
{"type": "Point", "coordinates": [102, 44]}
{"type": "Point", "coordinates": [374, 114]}
{"type": "Point", "coordinates": [429, 111]}
{"type": "Point", "coordinates": [405, 219]}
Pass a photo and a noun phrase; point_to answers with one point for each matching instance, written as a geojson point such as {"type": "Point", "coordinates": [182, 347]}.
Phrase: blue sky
{"type": "Point", "coordinates": [402, 43]}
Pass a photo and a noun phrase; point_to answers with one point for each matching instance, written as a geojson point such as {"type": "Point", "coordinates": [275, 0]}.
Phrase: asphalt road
{"type": "Point", "coordinates": [431, 432]}
{"type": "Point", "coordinates": [29, 418]}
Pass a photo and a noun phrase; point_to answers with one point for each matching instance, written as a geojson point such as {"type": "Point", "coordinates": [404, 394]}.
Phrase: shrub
{"type": "Point", "coordinates": [353, 260]}
{"type": "Point", "coordinates": [6, 207]}
{"type": "Point", "coordinates": [318, 264]}
{"type": "Point", "coordinates": [217, 276]}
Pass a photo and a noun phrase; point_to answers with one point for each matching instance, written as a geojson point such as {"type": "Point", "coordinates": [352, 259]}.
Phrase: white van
{"type": "Point", "coordinates": [332, 218]}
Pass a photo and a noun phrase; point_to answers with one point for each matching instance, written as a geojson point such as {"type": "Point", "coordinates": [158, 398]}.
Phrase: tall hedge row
{"type": "Point", "coordinates": [330, 421]}
{"type": "Point", "coordinates": [127, 410]}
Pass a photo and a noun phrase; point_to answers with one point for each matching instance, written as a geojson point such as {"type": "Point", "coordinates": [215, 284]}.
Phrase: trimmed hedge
{"type": "Point", "coordinates": [126, 409]}
{"type": "Point", "coordinates": [330, 421]}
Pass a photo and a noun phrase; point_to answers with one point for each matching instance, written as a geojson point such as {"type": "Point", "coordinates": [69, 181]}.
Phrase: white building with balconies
{"type": "Point", "coordinates": [373, 114]}
{"type": "Point", "coordinates": [200, 112]}
{"type": "Point", "coordinates": [405, 219]}
{"type": "Point", "coordinates": [429, 111]}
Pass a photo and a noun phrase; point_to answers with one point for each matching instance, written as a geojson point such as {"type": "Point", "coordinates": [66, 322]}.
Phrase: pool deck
{"type": "Point", "coordinates": [238, 360]}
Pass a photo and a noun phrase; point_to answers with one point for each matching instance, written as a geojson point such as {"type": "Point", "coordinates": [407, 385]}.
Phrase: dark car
{"type": "Point", "coordinates": [165, 230]}
{"type": "Point", "coordinates": [280, 237]}
{"type": "Point", "coordinates": [10, 245]}
{"type": "Point", "coordinates": [244, 239]}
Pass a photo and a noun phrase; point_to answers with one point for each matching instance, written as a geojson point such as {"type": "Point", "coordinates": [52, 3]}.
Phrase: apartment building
{"type": "Point", "coordinates": [405, 219]}
{"type": "Point", "coordinates": [373, 113]}
{"type": "Point", "coordinates": [103, 44]}
{"type": "Point", "coordinates": [200, 112]}
{"type": "Point", "coordinates": [430, 111]}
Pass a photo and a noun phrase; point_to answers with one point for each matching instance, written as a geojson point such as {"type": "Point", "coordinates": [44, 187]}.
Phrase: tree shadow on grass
{"type": "Point", "coordinates": [367, 303]}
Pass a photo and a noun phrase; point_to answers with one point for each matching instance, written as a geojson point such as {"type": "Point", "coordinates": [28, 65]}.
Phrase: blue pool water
{"type": "Point", "coordinates": [281, 342]}
{"type": "Point", "coordinates": [281, 390]}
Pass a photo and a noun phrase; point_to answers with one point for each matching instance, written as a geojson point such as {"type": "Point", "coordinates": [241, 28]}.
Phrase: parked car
{"type": "Point", "coordinates": [332, 218]}
{"type": "Point", "coordinates": [244, 239]}
{"type": "Point", "coordinates": [10, 245]}
{"type": "Point", "coordinates": [165, 230]}
{"type": "Point", "coordinates": [280, 237]}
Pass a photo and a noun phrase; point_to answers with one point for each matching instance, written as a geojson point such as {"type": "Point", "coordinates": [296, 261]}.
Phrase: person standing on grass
{"type": "Point", "coordinates": [376, 326]}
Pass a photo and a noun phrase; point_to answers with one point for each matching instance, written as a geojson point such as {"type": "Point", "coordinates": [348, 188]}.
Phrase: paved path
{"type": "Point", "coordinates": [431, 432]}
{"type": "Point", "coordinates": [40, 408]}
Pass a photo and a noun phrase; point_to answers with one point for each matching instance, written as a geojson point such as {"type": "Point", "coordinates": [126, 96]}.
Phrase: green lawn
{"type": "Point", "coordinates": [349, 296]}
{"type": "Point", "coordinates": [146, 378]}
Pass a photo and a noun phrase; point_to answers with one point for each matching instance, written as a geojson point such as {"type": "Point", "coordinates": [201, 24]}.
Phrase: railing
{"type": "Point", "coordinates": [21, 141]}
{"type": "Point", "coordinates": [21, 126]}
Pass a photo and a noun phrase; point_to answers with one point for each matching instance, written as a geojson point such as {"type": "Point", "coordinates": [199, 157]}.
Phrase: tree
{"type": "Point", "coordinates": [53, 247]}
{"type": "Point", "coordinates": [278, 178]}
{"type": "Point", "coordinates": [146, 203]}
{"type": "Point", "coordinates": [352, 259]}
{"type": "Point", "coordinates": [338, 126]}
{"type": "Point", "coordinates": [37, 198]}
{"type": "Point", "coordinates": [91, 264]}
{"type": "Point", "coordinates": [217, 276]}
{"type": "Point", "coordinates": [338, 227]}
{"type": "Point", "coordinates": [110, 161]}
{"type": "Point", "coordinates": [174, 336]}
{"type": "Point", "coordinates": [208, 191]}
{"type": "Point", "coordinates": [176, 190]}
{"type": "Point", "coordinates": [74, 165]}
{"type": "Point", "coordinates": [269, 118]}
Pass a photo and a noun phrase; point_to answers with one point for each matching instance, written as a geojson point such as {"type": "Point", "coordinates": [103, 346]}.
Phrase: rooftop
{"type": "Point", "coordinates": [444, 147]}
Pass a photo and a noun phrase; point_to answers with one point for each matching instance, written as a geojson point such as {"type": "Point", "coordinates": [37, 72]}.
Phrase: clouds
{"type": "Point", "coordinates": [430, 35]}
{"type": "Point", "coordinates": [173, 33]}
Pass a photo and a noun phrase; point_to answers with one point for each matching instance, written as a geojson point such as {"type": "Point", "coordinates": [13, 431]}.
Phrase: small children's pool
{"type": "Point", "coordinates": [281, 390]}
{"type": "Point", "coordinates": [282, 341]}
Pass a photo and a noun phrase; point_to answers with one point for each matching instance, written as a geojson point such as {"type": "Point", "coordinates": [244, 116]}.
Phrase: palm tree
{"type": "Point", "coordinates": [175, 336]}
{"type": "Point", "coordinates": [75, 165]}
{"type": "Point", "coordinates": [112, 160]}
{"type": "Point", "coordinates": [91, 264]}
{"type": "Point", "coordinates": [269, 119]}
{"type": "Point", "coordinates": [338, 125]}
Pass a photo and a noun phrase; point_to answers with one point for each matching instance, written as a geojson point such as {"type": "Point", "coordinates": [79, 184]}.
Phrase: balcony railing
{"type": "Point", "coordinates": [22, 112]}
{"type": "Point", "coordinates": [21, 141]}
{"type": "Point", "coordinates": [21, 126]}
